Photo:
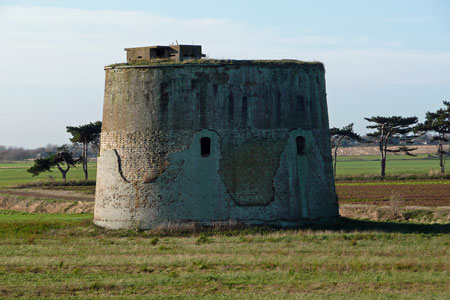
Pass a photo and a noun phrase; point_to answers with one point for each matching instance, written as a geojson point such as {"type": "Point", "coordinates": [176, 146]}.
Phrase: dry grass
{"type": "Point", "coordinates": [394, 203]}
{"type": "Point", "coordinates": [58, 256]}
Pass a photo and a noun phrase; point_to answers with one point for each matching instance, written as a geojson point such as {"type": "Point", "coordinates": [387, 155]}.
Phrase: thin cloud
{"type": "Point", "coordinates": [54, 50]}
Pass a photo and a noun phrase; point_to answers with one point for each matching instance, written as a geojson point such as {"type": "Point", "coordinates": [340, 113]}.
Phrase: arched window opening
{"type": "Point", "coordinates": [300, 140]}
{"type": "Point", "coordinates": [205, 146]}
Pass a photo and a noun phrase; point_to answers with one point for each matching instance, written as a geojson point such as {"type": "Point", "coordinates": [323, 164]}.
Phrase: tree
{"type": "Point", "coordinates": [439, 123]}
{"type": "Point", "coordinates": [338, 135]}
{"type": "Point", "coordinates": [388, 128]}
{"type": "Point", "coordinates": [85, 135]}
{"type": "Point", "coordinates": [62, 160]}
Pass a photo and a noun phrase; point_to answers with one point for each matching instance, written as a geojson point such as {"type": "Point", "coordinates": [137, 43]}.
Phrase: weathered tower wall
{"type": "Point", "coordinates": [243, 140]}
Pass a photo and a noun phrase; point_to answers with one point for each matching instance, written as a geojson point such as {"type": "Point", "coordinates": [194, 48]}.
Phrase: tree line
{"type": "Point", "coordinates": [12, 153]}
{"type": "Point", "coordinates": [402, 129]}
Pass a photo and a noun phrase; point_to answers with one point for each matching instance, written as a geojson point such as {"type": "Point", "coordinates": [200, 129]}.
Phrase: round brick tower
{"type": "Point", "coordinates": [214, 141]}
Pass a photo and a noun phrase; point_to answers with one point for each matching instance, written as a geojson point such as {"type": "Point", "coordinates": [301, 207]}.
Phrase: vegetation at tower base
{"type": "Point", "coordinates": [439, 123]}
{"type": "Point", "coordinates": [85, 135]}
{"type": "Point", "coordinates": [62, 160]}
{"type": "Point", "coordinates": [213, 142]}
{"type": "Point", "coordinates": [337, 136]}
{"type": "Point", "coordinates": [388, 128]}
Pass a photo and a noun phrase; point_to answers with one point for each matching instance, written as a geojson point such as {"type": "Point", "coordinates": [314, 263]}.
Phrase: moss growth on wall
{"type": "Point", "coordinates": [163, 62]}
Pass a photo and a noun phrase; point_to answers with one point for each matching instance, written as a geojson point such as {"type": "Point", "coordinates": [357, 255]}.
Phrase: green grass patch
{"type": "Point", "coordinates": [18, 224]}
{"type": "Point", "coordinates": [12, 174]}
{"type": "Point", "coordinates": [56, 256]}
{"type": "Point", "coordinates": [396, 165]}
{"type": "Point", "coordinates": [344, 158]}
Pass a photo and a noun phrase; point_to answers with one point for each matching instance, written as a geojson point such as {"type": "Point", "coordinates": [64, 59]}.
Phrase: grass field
{"type": "Point", "coordinates": [405, 256]}
{"type": "Point", "coordinates": [16, 173]}
{"type": "Point", "coordinates": [66, 257]}
{"type": "Point", "coordinates": [395, 165]}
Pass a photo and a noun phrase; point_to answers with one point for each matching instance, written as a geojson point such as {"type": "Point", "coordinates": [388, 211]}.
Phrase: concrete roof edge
{"type": "Point", "coordinates": [212, 63]}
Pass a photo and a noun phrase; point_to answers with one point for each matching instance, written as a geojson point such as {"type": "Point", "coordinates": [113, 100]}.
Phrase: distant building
{"type": "Point", "coordinates": [174, 52]}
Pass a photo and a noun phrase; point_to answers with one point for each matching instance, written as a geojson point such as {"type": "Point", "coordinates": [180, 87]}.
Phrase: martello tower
{"type": "Point", "coordinates": [194, 140]}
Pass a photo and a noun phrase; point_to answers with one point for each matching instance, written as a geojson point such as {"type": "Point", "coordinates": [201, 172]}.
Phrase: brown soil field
{"type": "Point", "coordinates": [421, 149]}
{"type": "Point", "coordinates": [431, 195]}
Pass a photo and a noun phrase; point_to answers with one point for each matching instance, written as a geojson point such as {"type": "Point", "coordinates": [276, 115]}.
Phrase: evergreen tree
{"type": "Point", "coordinates": [85, 135]}
{"type": "Point", "coordinates": [438, 123]}
{"type": "Point", "coordinates": [388, 129]}
{"type": "Point", "coordinates": [338, 135]}
{"type": "Point", "coordinates": [62, 160]}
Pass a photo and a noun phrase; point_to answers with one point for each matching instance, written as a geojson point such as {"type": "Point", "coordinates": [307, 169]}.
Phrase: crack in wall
{"type": "Point", "coordinates": [119, 164]}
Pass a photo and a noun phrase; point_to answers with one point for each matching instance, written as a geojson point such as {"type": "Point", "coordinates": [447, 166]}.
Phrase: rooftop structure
{"type": "Point", "coordinates": [173, 52]}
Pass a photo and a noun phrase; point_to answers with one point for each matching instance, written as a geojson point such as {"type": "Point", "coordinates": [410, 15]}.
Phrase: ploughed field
{"type": "Point", "coordinates": [373, 150]}
{"type": "Point", "coordinates": [408, 193]}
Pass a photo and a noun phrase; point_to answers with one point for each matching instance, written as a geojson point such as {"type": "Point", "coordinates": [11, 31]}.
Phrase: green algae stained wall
{"type": "Point", "coordinates": [155, 116]}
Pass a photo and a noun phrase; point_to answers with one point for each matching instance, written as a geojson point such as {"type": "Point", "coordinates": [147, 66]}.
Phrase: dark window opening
{"type": "Point", "coordinates": [300, 140]}
{"type": "Point", "coordinates": [160, 53]}
{"type": "Point", "coordinates": [139, 56]}
{"type": "Point", "coordinates": [205, 146]}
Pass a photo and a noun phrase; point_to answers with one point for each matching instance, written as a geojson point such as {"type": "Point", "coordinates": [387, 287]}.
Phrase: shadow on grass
{"type": "Point", "coordinates": [14, 224]}
{"type": "Point", "coordinates": [337, 225]}
{"type": "Point", "coordinates": [346, 224]}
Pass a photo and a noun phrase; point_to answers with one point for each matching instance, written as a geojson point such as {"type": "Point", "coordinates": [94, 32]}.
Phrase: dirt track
{"type": "Point", "coordinates": [49, 194]}
{"type": "Point", "coordinates": [46, 201]}
{"type": "Point", "coordinates": [42, 206]}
